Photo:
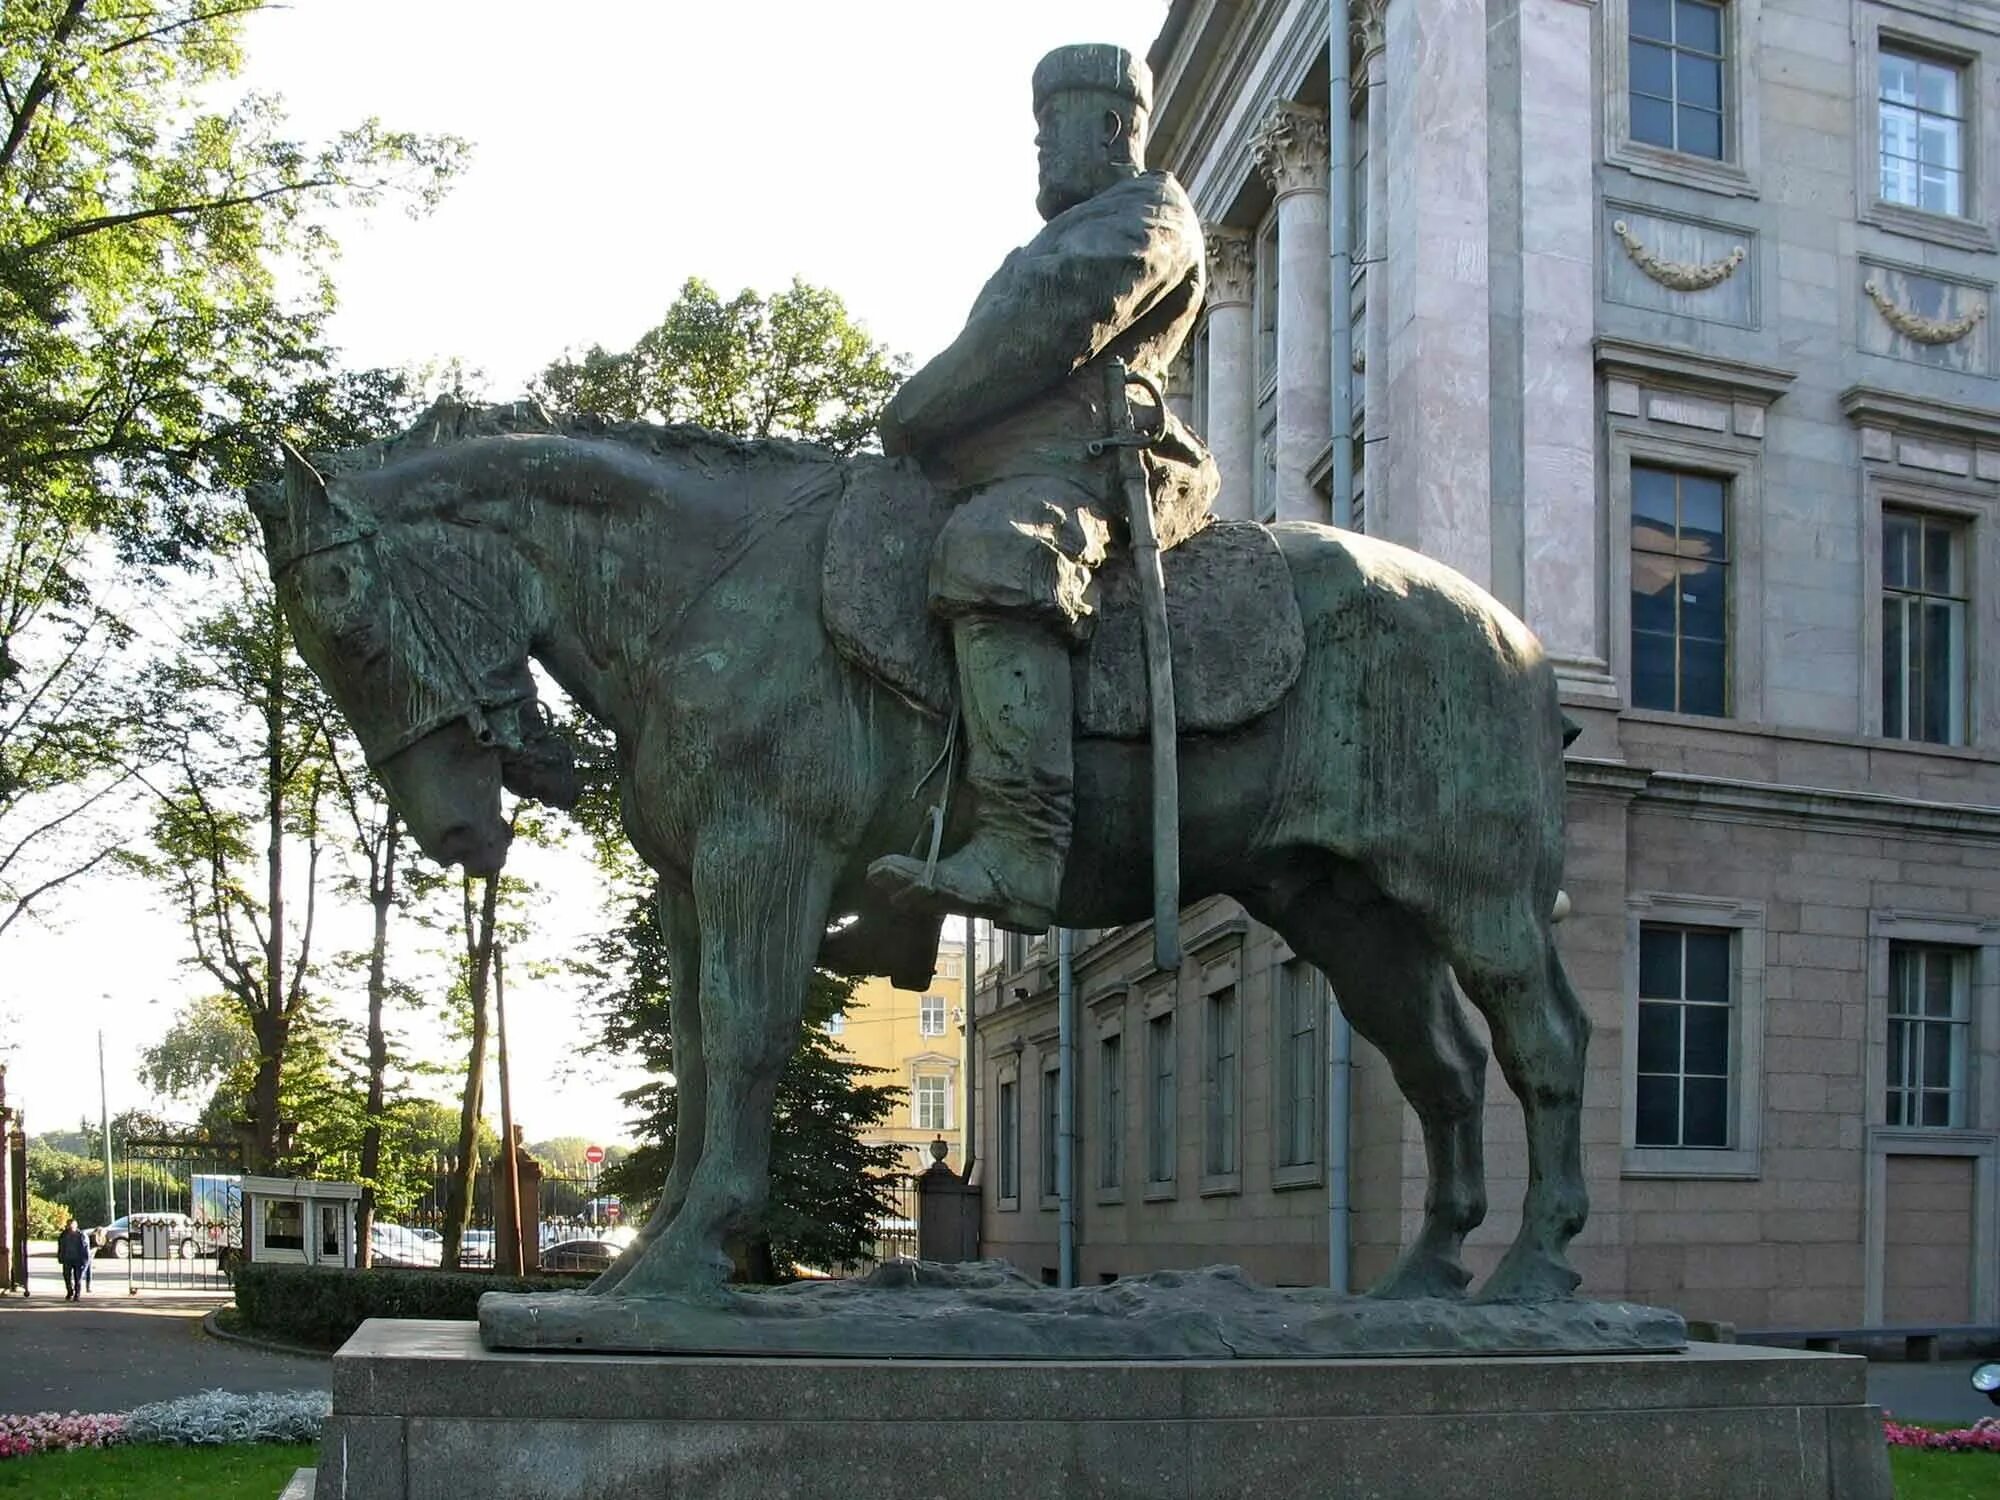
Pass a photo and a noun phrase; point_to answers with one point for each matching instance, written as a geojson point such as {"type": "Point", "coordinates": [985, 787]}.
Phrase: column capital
{"type": "Point", "coordinates": [1291, 148]}
{"type": "Point", "coordinates": [1371, 27]}
{"type": "Point", "coordinates": [1230, 264]}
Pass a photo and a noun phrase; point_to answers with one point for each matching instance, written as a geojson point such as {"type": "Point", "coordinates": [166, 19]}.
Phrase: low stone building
{"type": "Point", "coordinates": [1671, 329]}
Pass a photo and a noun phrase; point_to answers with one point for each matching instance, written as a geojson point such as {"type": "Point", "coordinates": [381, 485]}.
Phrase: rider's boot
{"type": "Point", "coordinates": [1014, 684]}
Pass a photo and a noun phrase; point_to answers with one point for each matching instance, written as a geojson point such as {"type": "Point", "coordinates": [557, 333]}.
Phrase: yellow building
{"type": "Point", "coordinates": [918, 1042]}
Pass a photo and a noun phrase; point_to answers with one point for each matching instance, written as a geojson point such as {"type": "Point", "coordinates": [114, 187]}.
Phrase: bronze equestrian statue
{"type": "Point", "coordinates": [784, 643]}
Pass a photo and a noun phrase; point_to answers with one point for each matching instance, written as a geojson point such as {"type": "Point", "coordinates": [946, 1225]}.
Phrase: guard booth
{"type": "Point", "coordinates": [297, 1221]}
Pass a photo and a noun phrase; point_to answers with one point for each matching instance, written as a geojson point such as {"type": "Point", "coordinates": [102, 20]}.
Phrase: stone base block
{"type": "Point", "coordinates": [422, 1411]}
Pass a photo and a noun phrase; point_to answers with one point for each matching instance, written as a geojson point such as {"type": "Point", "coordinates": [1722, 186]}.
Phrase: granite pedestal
{"type": "Point", "coordinates": [422, 1411]}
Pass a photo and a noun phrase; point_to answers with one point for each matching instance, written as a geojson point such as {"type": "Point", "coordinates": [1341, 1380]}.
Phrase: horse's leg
{"type": "Point", "coordinates": [762, 898]}
{"type": "Point", "coordinates": [683, 935]}
{"type": "Point", "coordinates": [1540, 1034]}
{"type": "Point", "coordinates": [1395, 988]}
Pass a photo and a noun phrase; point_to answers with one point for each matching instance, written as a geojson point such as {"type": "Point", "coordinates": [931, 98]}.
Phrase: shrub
{"type": "Point", "coordinates": [323, 1305]}
{"type": "Point", "coordinates": [45, 1219]}
{"type": "Point", "coordinates": [222, 1417]}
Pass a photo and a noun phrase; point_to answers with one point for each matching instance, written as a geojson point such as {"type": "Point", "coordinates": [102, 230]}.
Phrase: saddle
{"type": "Point", "coordinates": [1238, 641]}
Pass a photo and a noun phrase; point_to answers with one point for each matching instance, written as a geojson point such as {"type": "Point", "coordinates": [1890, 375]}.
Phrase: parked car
{"type": "Point", "coordinates": [399, 1245]}
{"type": "Point", "coordinates": [476, 1248]}
{"type": "Point", "coordinates": [580, 1255]}
{"type": "Point", "coordinates": [124, 1236]}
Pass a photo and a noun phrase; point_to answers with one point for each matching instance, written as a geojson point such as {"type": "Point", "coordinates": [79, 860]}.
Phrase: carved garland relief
{"type": "Point", "coordinates": [1678, 275]}
{"type": "Point", "coordinates": [1915, 326]}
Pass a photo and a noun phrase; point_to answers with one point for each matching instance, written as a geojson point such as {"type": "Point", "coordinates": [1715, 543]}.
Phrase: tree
{"type": "Point", "coordinates": [793, 365]}
{"type": "Point", "coordinates": [147, 352]}
{"type": "Point", "coordinates": [240, 724]}
{"type": "Point", "coordinates": [826, 1183]}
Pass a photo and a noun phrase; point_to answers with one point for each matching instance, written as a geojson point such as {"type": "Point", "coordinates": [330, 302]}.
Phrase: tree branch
{"type": "Point", "coordinates": [42, 85]}
{"type": "Point", "coordinates": [185, 21]}
{"type": "Point", "coordinates": [103, 222]}
{"type": "Point", "coordinates": [22, 903]}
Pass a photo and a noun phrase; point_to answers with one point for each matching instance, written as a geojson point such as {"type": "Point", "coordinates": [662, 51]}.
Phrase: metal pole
{"type": "Point", "coordinates": [969, 993]}
{"type": "Point", "coordinates": [509, 1164]}
{"type": "Point", "coordinates": [1066, 1106]}
{"type": "Point", "coordinates": [1340, 236]}
{"type": "Point", "coordinates": [104, 1123]}
{"type": "Point", "coordinates": [1340, 245]}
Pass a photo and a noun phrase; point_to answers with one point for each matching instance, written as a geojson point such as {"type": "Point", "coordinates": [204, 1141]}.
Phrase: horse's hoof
{"type": "Point", "coordinates": [1531, 1275]}
{"type": "Point", "coordinates": [1423, 1276]}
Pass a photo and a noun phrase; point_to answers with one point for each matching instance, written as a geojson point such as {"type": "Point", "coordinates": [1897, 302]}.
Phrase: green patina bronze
{"type": "Point", "coordinates": [1370, 755]}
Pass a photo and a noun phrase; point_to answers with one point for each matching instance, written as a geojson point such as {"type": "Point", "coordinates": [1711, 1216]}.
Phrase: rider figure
{"type": "Point", "coordinates": [1001, 419]}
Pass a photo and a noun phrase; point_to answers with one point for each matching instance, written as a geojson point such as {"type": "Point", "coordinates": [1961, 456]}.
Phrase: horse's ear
{"type": "Point", "coordinates": [304, 485]}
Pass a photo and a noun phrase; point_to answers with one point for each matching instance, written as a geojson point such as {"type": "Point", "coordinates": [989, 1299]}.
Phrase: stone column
{"type": "Point", "coordinates": [1232, 397]}
{"type": "Point", "coordinates": [1292, 153]}
{"type": "Point", "coordinates": [1562, 583]}
{"type": "Point", "coordinates": [1438, 495]}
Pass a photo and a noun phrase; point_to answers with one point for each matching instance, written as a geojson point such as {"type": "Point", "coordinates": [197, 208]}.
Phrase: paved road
{"type": "Point", "coordinates": [111, 1351]}
{"type": "Point", "coordinates": [1929, 1393]}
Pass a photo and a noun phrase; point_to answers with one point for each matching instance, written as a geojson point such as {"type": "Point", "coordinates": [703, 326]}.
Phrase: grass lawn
{"type": "Point", "coordinates": [1922, 1475]}
{"type": "Point", "coordinates": [253, 1472]}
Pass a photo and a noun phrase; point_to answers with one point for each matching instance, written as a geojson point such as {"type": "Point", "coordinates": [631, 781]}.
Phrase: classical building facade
{"type": "Point", "coordinates": [916, 1042]}
{"type": "Point", "coordinates": [1671, 328]}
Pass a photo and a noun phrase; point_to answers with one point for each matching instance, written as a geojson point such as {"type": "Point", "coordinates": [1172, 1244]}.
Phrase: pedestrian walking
{"type": "Point", "coordinates": [73, 1254]}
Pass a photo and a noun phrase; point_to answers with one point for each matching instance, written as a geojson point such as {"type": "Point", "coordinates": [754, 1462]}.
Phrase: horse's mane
{"type": "Point", "coordinates": [450, 420]}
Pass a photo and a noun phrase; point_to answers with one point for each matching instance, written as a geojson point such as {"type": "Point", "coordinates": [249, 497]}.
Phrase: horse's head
{"type": "Point", "coordinates": [422, 642]}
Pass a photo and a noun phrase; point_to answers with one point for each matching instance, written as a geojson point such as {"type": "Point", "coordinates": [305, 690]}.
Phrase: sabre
{"type": "Point", "coordinates": [1126, 442]}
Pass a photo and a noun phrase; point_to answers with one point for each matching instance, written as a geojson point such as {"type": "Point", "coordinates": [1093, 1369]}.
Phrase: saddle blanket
{"type": "Point", "coordinates": [1238, 641]}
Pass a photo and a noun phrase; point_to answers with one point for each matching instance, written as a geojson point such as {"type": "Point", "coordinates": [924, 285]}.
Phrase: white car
{"type": "Point", "coordinates": [398, 1245]}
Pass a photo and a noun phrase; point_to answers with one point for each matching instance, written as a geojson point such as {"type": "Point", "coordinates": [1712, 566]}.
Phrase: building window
{"type": "Point", "coordinates": [1921, 106]}
{"type": "Point", "coordinates": [1924, 610]}
{"type": "Point", "coordinates": [836, 1023]}
{"type": "Point", "coordinates": [1219, 1086]}
{"type": "Point", "coordinates": [1677, 76]}
{"type": "Point", "coordinates": [930, 1101]}
{"type": "Point", "coordinates": [1930, 1016]}
{"type": "Point", "coordinates": [284, 1224]}
{"type": "Point", "coordinates": [1686, 1017]}
{"type": "Point", "coordinates": [930, 1015]}
{"type": "Point", "coordinates": [1299, 1005]}
{"type": "Point", "coordinates": [1110, 1111]}
{"type": "Point", "coordinates": [1008, 1107]}
{"type": "Point", "coordinates": [1161, 1100]}
{"type": "Point", "coordinates": [1680, 591]}
{"type": "Point", "coordinates": [1051, 1130]}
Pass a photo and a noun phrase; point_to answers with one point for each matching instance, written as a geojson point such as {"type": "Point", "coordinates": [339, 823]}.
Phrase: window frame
{"type": "Point", "coordinates": [1676, 46]}
{"type": "Point", "coordinates": [943, 1082]}
{"type": "Point", "coordinates": [1963, 538]}
{"type": "Point", "coordinates": [1728, 564]}
{"type": "Point", "coordinates": [1162, 1144]}
{"type": "Point", "coordinates": [924, 1010]}
{"type": "Point", "coordinates": [1738, 462]}
{"type": "Point", "coordinates": [1979, 71]}
{"type": "Point", "coordinates": [1293, 1174]}
{"type": "Point", "coordinates": [1737, 173]}
{"type": "Point", "coordinates": [1048, 1133]}
{"type": "Point", "coordinates": [1975, 511]}
{"type": "Point", "coordinates": [1007, 1133]}
{"type": "Point", "coordinates": [1685, 1006]}
{"type": "Point", "coordinates": [1745, 922]}
{"type": "Point", "coordinates": [1958, 1067]}
{"type": "Point", "coordinates": [1111, 1106]}
{"type": "Point", "coordinates": [1222, 1086]}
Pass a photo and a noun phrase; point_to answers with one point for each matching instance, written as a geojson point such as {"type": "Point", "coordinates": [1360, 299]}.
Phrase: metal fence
{"type": "Point", "coordinates": [182, 1228]}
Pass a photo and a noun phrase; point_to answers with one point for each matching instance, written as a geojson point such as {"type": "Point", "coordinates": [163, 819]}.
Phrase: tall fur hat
{"type": "Point", "coordinates": [1095, 65]}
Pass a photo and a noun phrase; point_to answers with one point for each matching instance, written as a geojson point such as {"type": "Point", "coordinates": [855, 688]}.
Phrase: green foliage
{"type": "Point", "coordinates": [255, 1471]}
{"type": "Point", "coordinates": [826, 1194]}
{"type": "Point", "coordinates": [1923, 1475]}
{"type": "Point", "coordinates": [564, 1154]}
{"type": "Point", "coordinates": [75, 1184]}
{"type": "Point", "coordinates": [793, 365]}
{"type": "Point", "coordinates": [45, 1218]}
{"type": "Point", "coordinates": [147, 353]}
{"type": "Point", "coordinates": [323, 1305]}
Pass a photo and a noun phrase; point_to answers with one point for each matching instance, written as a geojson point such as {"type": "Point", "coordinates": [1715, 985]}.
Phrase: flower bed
{"type": "Point", "coordinates": [211, 1418]}
{"type": "Point", "coordinates": [1982, 1436]}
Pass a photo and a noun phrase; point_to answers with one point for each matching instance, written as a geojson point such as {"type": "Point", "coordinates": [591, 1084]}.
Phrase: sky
{"type": "Point", "coordinates": [882, 148]}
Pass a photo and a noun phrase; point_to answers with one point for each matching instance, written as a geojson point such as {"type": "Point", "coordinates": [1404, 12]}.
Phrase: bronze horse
{"type": "Point", "coordinates": [1397, 816]}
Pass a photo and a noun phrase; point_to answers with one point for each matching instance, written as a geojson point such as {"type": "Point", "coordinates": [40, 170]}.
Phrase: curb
{"type": "Point", "coordinates": [214, 1329]}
